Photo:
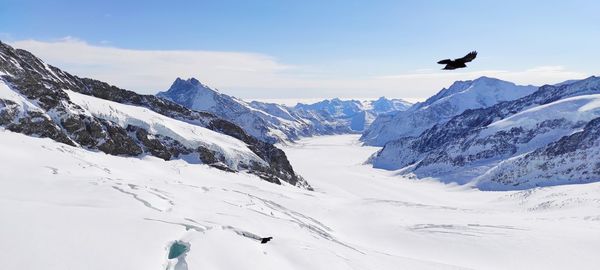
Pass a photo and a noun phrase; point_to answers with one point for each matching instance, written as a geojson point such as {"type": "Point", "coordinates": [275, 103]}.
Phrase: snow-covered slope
{"type": "Point", "coordinates": [236, 154]}
{"type": "Point", "coordinates": [276, 123]}
{"type": "Point", "coordinates": [475, 142]}
{"type": "Point", "coordinates": [40, 100]}
{"type": "Point", "coordinates": [574, 159]}
{"type": "Point", "coordinates": [460, 96]}
{"type": "Point", "coordinates": [63, 207]}
{"type": "Point", "coordinates": [192, 94]}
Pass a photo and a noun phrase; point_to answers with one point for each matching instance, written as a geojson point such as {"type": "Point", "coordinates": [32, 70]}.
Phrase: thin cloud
{"type": "Point", "coordinates": [149, 70]}
{"type": "Point", "coordinates": [258, 76]}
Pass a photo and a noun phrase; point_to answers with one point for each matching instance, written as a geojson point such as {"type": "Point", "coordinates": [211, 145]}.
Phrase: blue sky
{"type": "Point", "coordinates": [310, 49]}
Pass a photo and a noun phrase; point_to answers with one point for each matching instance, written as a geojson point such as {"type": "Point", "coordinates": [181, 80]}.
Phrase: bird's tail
{"type": "Point", "coordinates": [445, 62]}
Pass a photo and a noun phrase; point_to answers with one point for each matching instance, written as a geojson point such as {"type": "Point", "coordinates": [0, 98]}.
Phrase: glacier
{"type": "Point", "coordinates": [80, 209]}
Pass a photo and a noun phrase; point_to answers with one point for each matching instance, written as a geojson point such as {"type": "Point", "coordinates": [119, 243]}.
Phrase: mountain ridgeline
{"type": "Point", "coordinates": [459, 97]}
{"type": "Point", "coordinates": [41, 100]}
{"type": "Point", "coordinates": [530, 137]}
{"type": "Point", "coordinates": [272, 122]}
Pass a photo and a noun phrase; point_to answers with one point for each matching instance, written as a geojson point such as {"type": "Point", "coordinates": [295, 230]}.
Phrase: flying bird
{"type": "Point", "coordinates": [459, 62]}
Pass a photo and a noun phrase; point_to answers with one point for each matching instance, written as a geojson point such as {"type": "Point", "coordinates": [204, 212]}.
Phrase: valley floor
{"type": "Point", "coordinates": [67, 208]}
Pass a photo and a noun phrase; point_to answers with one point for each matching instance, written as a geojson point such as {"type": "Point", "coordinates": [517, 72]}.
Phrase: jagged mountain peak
{"type": "Point", "coordinates": [381, 99]}
{"type": "Point", "coordinates": [327, 102]}
{"type": "Point", "coordinates": [392, 100]}
{"type": "Point", "coordinates": [190, 84]}
{"type": "Point", "coordinates": [333, 106]}
{"type": "Point", "coordinates": [481, 85]}
{"type": "Point", "coordinates": [482, 80]}
{"type": "Point", "coordinates": [550, 93]}
{"type": "Point", "coordinates": [197, 96]}
{"type": "Point", "coordinates": [592, 81]}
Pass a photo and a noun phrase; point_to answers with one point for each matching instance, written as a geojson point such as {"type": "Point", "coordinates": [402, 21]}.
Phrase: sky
{"type": "Point", "coordinates": [276, 50]}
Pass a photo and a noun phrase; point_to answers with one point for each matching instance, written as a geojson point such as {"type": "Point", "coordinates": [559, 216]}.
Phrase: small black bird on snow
{"type": "Point", "coordinates": [265, 240]}
{"type": "Point", "coordinates": [459, 62]}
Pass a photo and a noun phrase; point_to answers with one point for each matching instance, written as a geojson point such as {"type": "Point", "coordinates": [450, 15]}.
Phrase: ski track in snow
{"type": "Point", "coordinates": [68, 208]}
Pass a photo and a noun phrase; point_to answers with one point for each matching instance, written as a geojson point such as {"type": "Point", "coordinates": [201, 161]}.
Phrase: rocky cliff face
{"type": "Point", "coordinates": [574, 159]}
{"type": "Point", "coordinates": [34, 100]}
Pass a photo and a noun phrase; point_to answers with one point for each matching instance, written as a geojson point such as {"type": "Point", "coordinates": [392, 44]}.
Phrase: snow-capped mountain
{"type": "Point", "coordinates": [545, 138]}
{"type": "Point", "coordinates": [353, 114]}
{"type": "Point", "coordinates": [271, 122]}
{"type": "Point", "coordinates": [459, 97]}
{"type": "Point", "coordinates": [41, 100]}
{"type": "Point", "coordinates": [194, 95]}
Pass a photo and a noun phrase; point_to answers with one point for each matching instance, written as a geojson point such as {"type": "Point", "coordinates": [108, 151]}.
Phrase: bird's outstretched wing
{"type": "Point", "coordinates": [445, 61]}
{"type": "Point", "coordinates": [469, 57]}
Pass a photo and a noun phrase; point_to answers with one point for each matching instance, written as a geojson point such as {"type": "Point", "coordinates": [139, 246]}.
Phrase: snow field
{"type": "Point", "coordinates": [68, 208]}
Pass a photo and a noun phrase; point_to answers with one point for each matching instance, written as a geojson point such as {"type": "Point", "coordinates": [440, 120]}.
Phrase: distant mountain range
{"type": "Point", "coordinates": [496, 135]}
{"type": "Point", "coordinates": [272, 122]}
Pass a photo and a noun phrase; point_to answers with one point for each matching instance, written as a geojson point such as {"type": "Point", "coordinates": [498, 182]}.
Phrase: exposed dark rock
{"type": "Point", "coordinates": [44, 86]}
{"type": "Point", "coordinates": [84, 130]}
{"type": "Point", "coordinates": [572, 159]}
{"type": "Point", "coordinates": [37, 124]}
{"type": "Point", "coordinates": [8, 111]}
{"type": "Point", "coordinates": [206, 155]}
{"type": "Point", "coordinates": [118, 141]}
{"type": "Point", "coordinates": [280, 166]}
{"type": "Point", "coordinates": [577, 141]}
